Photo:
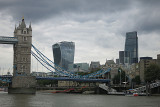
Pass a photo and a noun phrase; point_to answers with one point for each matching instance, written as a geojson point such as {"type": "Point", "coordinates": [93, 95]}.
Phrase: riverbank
{"type": "Point", "coordinates": [87, 92]}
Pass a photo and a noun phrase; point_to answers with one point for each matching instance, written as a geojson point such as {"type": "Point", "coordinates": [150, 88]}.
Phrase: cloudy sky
{"type": "Point", "coordinates": [97, 27]}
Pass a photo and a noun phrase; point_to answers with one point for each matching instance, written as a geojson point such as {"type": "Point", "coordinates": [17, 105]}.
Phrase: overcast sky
{"type": "Point", "coordinates": [97, 27]}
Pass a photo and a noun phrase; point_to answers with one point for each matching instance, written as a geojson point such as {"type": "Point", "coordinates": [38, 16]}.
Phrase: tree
{"type": "Point", "coordinates": [116, 79]}
{"type": "Point", "coordinates": [136, 80]}
{"type": "Point", "coordinates": [152, 73]}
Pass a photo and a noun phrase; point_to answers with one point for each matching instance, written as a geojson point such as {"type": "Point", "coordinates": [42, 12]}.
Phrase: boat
{"type": "Point", "coordinates": [116, 93]}
{"type": "Point", "coordinates": [64, 91]}
{"type": "Point", "coordinates": [142, 94]}
{"type": "Point", "coordinates": [131, 92]}
{"type": "Point", "coordinates": [3, 89]}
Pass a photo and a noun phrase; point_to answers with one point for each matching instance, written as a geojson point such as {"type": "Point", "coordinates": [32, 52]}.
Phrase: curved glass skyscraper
{"type": "Point", "coordinates": [63, 53]}
{"type": "Point", "coordinates": [131, 48]}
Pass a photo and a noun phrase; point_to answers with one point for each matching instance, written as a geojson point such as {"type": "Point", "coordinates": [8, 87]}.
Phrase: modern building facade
{"type": "Point", "coordinates": [82, 66]}
{"type": "Point", "coordinates": [144, 63]}
{"type": "Point", "coordinates": [121, 57]}
{"type": "Point", "coordinates": [94, 65]}
{"type": "Point", "coordinates": [109, 62]}
{"type": "Point", "coordinates": [117, 61]}
{"type": "Point", "coordinates": [78, 67]}
{"type": "Point", "coordinates": [63, 53]}
{"type": "Point", "coordinates": [131, 48]}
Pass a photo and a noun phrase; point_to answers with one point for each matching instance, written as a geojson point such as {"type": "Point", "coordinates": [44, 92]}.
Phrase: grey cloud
{"type": "Point", "coordinates": [83, 21]}
{"type": "Point", "coordinates": [6, 46]}
{"type": "Point", "coordinates": [44, 9]}
{"type": "Point", "coordinates": [146, 19]}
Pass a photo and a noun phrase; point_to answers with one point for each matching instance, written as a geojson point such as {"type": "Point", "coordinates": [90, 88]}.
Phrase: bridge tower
{"type": "Point", "coordinates": [22, 82]}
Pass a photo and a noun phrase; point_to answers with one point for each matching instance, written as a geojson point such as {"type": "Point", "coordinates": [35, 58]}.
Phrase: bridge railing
{"type": "Point", "coordinates": [143, 88]}
{"type": "Point", "coordinates": [5, 78]}
{"type": "Point", "coordinates": [8, 40]}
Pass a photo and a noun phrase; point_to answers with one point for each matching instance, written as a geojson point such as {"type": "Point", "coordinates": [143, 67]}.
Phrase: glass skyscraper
{"type": "Point", "coordinates": [131, 48]}
{"type": "Point", "coordinates": [63, 53]}
{"type": "Point", "coordinates": [121, 57]}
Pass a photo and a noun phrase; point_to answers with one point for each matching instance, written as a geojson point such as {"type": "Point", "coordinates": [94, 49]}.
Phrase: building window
{"type": "Point", "coordinates": [24, 49]}
{"type": "Point", "coordinates": [24, 59]}
{"type": "Point", "coordinates": [24, 32]}
{"type": "Point", "coordinates": [23, 68]}
{"type": "Point", "coordinates": [24, 38]}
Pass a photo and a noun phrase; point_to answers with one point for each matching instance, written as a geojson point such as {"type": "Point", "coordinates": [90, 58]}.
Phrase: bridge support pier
{"type": "Point", "coordinates": [23, 85]}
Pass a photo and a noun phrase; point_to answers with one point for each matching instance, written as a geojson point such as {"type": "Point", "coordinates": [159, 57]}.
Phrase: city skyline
{"type": "Point", "coordinates": [98, 28]}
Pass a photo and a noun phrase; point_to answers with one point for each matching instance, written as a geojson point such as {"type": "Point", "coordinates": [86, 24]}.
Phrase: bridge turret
{"type": "Point", "coordinates": [22, 29]}
{"type": "Point", "coordinates": [22, 50]}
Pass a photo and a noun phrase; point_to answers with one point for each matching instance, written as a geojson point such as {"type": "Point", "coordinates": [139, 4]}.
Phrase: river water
{"type": "Point", "coordinates": [76, 100]}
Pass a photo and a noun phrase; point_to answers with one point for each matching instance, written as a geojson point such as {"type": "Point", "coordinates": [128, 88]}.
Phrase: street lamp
{"type": "Point", "coordinates": [120, 75]}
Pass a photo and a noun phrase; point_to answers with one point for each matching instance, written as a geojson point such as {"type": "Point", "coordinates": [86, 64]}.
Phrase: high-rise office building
{"type": "Point", "coordinates": [121, 57]}
{"type": "Point", "coordinates": [131, 48]}
{"type": "Point", "coordinates": [63, 53]}
{"type": "Point", "coordinates": [117, 61]}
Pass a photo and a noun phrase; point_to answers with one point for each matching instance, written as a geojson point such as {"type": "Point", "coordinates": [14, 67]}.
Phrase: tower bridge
{"type": "Point", "coordinates": [22, 81]}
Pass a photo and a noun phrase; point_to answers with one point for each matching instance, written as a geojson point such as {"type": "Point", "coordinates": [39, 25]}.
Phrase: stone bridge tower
{"type": "Point", "coordinates": [22, 82]}
{"type": "Point", "coordinates": [22, 50]}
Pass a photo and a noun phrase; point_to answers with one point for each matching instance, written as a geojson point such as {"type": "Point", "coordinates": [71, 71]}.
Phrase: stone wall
{"type": "Point", "coordinates": [23, 82]}
{"type": "Point", "coordinates": [75, 84]}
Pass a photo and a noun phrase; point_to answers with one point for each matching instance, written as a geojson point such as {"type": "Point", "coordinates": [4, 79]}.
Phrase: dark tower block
{"type": "Point", "coordinates": [131, 48]}
{"type": "Point", "coordinates": [22, 82]}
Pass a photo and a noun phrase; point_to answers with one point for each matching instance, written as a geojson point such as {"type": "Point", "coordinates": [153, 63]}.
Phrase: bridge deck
{"type": "Point", "coordinates": [8, 40]}
{"type": "Point", "coordinates": [4, 78]}
{"type": "Point", "coordinates": [73, 79]}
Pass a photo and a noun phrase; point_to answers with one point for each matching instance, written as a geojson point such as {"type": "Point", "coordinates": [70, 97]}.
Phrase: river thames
{"type": "Point", "coordinates": [76, 100]}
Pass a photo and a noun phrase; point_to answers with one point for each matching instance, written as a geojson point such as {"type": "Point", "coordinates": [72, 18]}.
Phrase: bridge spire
{"type": "Point", "coordinates": [23, 25]}
{"type": "Point", "coordinates": [15, 29]}
{"type": "Point", "coordinates": [19, 24]}
{"type": "Point", "coordinates": [22, 18]}
{"type": "Point", "coordinates": [30, 26]}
